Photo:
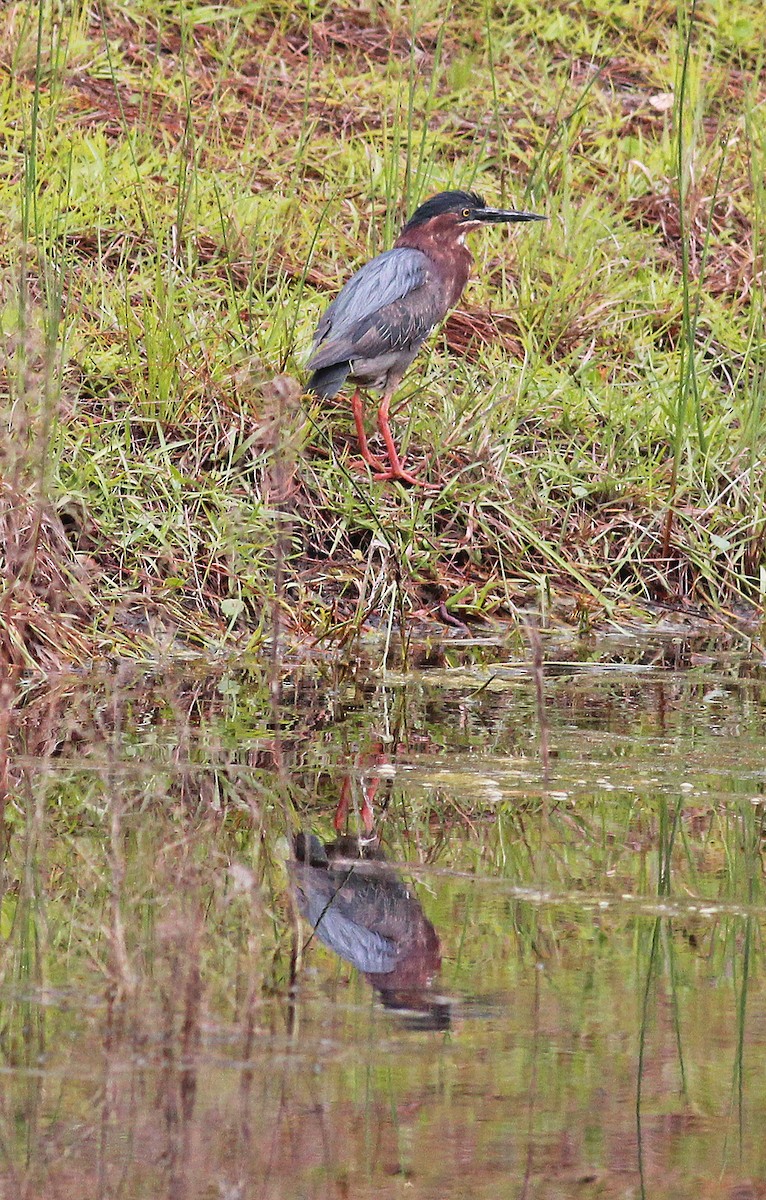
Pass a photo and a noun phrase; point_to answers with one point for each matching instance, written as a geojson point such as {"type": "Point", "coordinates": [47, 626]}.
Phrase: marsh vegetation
{"type": "Point", "coordinates": [216, 635]}
{"type": "Point", "coordinates": [187, 185]}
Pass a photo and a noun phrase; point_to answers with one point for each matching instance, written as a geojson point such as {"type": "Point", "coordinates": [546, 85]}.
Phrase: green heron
{"type": "Point", "coordinates": [357, 905]}
{"type": "Point", "coordinates": [378, 321]}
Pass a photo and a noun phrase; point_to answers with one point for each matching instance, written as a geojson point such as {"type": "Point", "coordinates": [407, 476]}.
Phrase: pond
{"type": "Point", "coordinates": [528, 978]}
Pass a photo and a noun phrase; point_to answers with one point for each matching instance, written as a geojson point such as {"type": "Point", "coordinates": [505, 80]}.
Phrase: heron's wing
{"type": "Point", "coordinates": [344, 917]}
{"type": "Point", "coordinates": [385, 306]}
{"type": "Point", "coordinates": [383, 280]}
{"type": "Point", "coordinates": [364, 948]}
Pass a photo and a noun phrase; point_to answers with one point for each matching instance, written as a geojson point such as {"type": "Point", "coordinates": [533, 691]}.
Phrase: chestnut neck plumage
{"type": "Point", "coordinates": [441, 240]}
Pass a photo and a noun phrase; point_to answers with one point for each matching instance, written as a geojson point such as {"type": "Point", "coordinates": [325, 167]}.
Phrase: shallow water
{"type": "Point", "coordinates": [596, 1026]}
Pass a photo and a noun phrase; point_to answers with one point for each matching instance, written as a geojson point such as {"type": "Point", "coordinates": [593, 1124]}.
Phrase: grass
{"type": "Point", "coordinates": [186, 186]}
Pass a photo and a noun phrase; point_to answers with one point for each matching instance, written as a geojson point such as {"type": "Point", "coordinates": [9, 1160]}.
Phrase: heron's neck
{"type": "Point", "coordinates": [453, 259]}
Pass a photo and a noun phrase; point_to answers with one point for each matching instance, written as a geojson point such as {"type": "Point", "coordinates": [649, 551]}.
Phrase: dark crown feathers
{"type": "Point", "coordinates": [445, 202]}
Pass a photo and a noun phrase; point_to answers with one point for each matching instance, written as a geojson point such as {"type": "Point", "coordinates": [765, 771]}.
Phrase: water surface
{"type": "Point", "coordinates": [587, 1020]}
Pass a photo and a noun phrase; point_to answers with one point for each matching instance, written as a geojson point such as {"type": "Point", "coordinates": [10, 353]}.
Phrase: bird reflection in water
{"type": "Point", "coordinates": [357, 904]}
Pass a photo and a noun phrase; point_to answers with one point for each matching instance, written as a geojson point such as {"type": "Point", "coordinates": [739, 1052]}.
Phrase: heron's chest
{"type": "Point", "coordinates": [454, 267]}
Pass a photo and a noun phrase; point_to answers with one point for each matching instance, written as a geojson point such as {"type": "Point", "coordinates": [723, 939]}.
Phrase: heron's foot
{"type": "Point", "coordinates": [361, 464]}
{"type": "Point", "coordinates": [383, 473]}
{"type": "Point", "coordinates": [397, 472]}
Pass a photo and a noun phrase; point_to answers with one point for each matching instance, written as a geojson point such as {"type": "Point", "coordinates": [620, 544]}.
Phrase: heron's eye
{"type": "Point", "coordinates": [466, 213]}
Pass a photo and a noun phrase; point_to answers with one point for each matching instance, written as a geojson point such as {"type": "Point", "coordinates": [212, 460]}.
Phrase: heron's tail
{"type": "Point", "coordinates": [327, 381]}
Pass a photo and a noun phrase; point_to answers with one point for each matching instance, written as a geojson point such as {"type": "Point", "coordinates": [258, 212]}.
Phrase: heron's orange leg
{"type": "Point", "coordinates": [344, 803]}
{"type": "Point", "coordinates": [396, 469]}
{"type": "Point", "coordinates": [341, 812]}
{"type": "Point", "coordinates": [364, 450]}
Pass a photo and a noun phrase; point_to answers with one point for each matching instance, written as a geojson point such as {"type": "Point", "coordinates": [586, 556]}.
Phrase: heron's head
{"type": "Point", "coordinates": [457, 213]}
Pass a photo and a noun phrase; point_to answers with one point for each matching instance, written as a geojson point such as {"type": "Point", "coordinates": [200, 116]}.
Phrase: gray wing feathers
{"type": "Point", "coordinates": [365, 949]}
{"type": "Point", "coordinates": [371, 313]}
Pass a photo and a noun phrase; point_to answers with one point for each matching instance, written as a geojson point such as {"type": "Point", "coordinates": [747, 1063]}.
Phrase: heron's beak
{"type": "Point", "coordinates": [495, 215]}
